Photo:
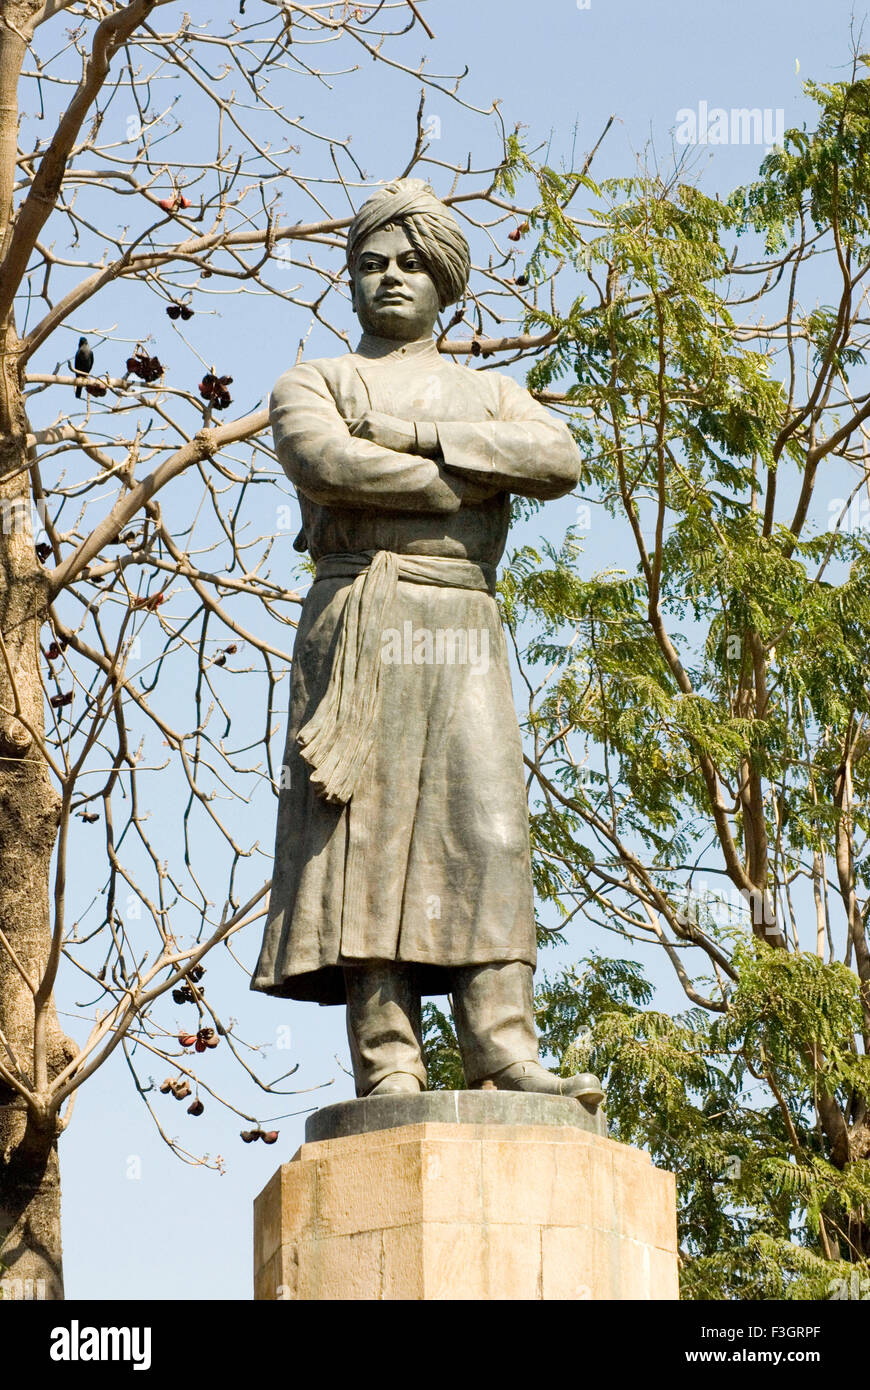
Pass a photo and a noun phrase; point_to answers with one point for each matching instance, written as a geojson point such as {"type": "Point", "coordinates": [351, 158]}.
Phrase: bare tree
{"type": "Point", "coordinates": [140, 613]}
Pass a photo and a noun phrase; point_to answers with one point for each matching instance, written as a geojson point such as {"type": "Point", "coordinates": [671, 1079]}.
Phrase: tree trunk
{"type": "Point", "coordinates": [30, 1247]}
{"type": "Point", "coordinates": [30, 1217]}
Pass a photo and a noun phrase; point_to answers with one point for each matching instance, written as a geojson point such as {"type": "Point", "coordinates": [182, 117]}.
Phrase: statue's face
{"type": "Point", "coordinates": [393, 294]}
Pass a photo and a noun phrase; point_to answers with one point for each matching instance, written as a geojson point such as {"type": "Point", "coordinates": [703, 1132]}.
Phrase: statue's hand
{"type": "Point", "coordinates": [386, 431]}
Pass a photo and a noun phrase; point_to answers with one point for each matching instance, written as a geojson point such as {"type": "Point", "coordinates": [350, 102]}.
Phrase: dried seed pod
{"type": "Point", "coordinates": [213, 389]}
{"type": "Point", "coordinates": [149, 601]}
{"type": "Point", "coordinates": [196, 1107]}
{"type": "Point", "coordinates": [147, 368]}
{"type": "Point", "coordinates": [205, 1038]}
{"type": "Point", "coordinates": [270, 1137]}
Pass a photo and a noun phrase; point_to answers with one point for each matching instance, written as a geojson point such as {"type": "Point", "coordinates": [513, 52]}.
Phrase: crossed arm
{"type": "Point", "coordinates": [383, 462]}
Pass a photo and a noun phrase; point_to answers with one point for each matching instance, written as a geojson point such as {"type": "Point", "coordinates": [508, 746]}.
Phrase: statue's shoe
{"type": "Point", "coordinates": [396, 1084]}
{"type": "Point", "coordinates": [531, 1076]}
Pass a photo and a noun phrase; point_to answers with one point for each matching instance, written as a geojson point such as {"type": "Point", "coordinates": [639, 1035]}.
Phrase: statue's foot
{"type": "Point", "coordinates": [397, 1083]}
{"type": "Point", "coordinates": [531, 1076]}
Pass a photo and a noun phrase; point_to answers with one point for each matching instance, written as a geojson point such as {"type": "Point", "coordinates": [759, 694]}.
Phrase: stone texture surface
{"type": "Point", "coordinates": [451, 1107]}
{"type": "Point", "coordinates": [467, 1211]}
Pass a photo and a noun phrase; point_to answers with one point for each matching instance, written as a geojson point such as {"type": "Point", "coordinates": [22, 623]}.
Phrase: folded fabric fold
{"type": "Point", "coordinates": [337, 739]}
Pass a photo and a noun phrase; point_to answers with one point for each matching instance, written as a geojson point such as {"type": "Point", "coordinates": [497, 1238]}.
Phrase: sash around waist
{"type": "Point", "coordinates": [445, 571]}
{"type": "Point", "coordinates": [337, 738]}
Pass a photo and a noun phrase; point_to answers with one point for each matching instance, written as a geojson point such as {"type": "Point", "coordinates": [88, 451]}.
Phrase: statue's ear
{"type": "Point", "coordinates": [352, 293]}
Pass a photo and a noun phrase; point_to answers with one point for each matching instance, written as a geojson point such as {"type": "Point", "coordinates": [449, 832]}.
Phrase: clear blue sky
{"type": "Point", "coordinates": [179, 1232]}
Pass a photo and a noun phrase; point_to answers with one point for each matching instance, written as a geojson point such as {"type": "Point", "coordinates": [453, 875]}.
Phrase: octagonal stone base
{"type": "Point", "coordinates": [459, 1209]}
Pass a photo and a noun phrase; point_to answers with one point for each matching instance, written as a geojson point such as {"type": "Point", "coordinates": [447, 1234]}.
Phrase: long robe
{"type": "Point", "coordinates": [439, 818]}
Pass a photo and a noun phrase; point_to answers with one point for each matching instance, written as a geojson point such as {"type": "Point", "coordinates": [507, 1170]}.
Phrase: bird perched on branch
{"type": "Point", "coordinates": [83, 361]}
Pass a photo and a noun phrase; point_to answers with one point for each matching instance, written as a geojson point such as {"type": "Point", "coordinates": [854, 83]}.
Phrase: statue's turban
{"type": "Point", "coordinates": [430, 227]}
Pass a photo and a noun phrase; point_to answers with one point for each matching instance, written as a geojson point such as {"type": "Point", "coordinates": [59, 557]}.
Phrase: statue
{"type": "Point", "coordinates": [402, 864]}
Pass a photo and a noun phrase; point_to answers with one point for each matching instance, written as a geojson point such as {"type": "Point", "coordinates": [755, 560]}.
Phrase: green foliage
{"type": "Point", "coordinates": [441, 1051]}
{"type": "Point", "coordinates": [825, 173]}
{"type": "Point", "coordinates": [693, 1091]}
{"type": "Point", "coordinates": [679, 407]}
{"type": "Point", "coordinates": [702, 706]}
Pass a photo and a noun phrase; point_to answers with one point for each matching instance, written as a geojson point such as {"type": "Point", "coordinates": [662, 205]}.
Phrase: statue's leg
{"type": "Point", "coordinates": [494, 1013]}
{"type": "Point", "coordinates": [384, 1028]}
{"type": "Point", "coordinates": [493, 1009]}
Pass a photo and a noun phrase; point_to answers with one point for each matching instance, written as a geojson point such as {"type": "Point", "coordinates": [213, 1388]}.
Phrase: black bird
{"type": "Point", "coordinates": [83, 361]}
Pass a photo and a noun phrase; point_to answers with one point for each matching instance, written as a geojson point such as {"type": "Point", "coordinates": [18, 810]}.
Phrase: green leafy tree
{"type": "Point", "coordinates": [698, 725]}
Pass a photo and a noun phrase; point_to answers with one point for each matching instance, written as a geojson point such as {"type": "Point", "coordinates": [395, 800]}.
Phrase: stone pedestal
{"type": "Point", "coordinates": [465, 1195]}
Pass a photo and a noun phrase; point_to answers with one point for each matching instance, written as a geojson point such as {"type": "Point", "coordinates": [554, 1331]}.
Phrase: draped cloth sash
{"type": "Point", "coordinates": [337, 739]}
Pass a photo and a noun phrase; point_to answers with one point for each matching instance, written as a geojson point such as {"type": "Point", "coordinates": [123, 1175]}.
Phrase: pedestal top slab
{"type": "Point", "coordinates": [451, 1107]}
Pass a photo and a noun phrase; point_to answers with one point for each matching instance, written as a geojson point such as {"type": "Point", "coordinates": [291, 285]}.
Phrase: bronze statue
{"type": "Point", "coordinates": [402, 863]}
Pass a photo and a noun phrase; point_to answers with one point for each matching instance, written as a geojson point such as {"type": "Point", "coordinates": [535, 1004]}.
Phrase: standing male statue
{"type": "Point", "coordinates": [402, 861]}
